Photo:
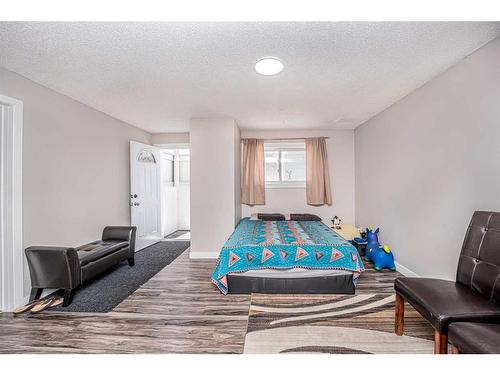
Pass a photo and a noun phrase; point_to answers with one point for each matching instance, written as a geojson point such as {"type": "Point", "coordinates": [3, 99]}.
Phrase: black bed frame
{"type": "Point", "coordinates": [336, 284]}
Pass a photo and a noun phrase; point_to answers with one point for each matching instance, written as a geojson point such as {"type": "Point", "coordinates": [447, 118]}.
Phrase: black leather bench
{"type": "Point", "coordinates": [474, 338]}
{"type": "Point", "coordinates": [68, 268]}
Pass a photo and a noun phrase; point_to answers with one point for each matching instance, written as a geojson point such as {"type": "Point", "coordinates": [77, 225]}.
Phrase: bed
{"type": "Point", "coordinates": [286, 256]}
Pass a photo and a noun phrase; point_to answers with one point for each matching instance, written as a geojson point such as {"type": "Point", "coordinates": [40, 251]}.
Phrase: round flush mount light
{"type": "Point", "coordinates": [269, 66]}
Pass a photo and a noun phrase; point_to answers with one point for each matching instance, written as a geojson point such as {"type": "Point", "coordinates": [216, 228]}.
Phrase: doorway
{"type": "Point", "coordinates": [175, 188]}
{"type": "Point", "coordinates": [11, 231]}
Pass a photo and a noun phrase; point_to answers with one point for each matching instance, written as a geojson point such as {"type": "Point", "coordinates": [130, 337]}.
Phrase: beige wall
{"type": "Point", "coordinates": [169, 138]}
{"type": "Point", "coordinates": [340, 145]}
{"type": "Point", "coordinates": [426, 163]}
{"type": "Point", "coordinates": [214, 197]}
{"type": "Point", "coordinates": [75, 166]}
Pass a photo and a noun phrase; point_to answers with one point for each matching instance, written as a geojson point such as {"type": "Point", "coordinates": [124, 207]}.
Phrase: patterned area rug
{"type": "Point", "coordinates": [361, 323]}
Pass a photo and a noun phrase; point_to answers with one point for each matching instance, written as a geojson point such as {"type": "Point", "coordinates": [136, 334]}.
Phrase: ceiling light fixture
{"type": "Point", "coordinates": [269, 66]}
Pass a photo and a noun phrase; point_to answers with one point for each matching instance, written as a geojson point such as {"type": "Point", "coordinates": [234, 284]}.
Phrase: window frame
{"type": "Point", "coordinates": [170, 159]}
{"type": "Point", "coordinates": [270, 146]}
{"type": "Point", "coordinates": [184, 159]}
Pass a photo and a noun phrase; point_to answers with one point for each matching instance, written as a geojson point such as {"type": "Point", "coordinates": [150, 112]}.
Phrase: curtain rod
{"type": "Point", "coordinates": [283, 139]}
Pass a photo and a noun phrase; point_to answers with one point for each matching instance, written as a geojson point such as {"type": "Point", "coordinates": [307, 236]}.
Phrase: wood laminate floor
{"type": "Point", "coordinates": [177, 311]}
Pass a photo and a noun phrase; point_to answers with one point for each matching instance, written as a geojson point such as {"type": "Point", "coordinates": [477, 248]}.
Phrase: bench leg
{"type": "Point", "coordinates": [399, 315]}
{"type": "Point", "coordinates": [36, 293]}
{"type": "Point", "coordinates": [131, 261]}
{"type": "Point", "coordinates": [68, 296]}
{"type": "Point", "coordinates": [440, 343]}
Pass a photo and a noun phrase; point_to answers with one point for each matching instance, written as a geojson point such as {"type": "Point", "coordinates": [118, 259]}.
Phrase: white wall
{"type": "Point", "coordinates": [425, 164]}
{"type": "Point", "coordinates": [75, 166]}
{"type": "Point", "coordinates": [213, 176]}
{"type": "Point", "coordinates": [340, 145]}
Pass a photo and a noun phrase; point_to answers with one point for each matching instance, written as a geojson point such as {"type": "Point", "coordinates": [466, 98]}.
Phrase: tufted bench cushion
{"type": "Point", "coordinates": [98, 249]}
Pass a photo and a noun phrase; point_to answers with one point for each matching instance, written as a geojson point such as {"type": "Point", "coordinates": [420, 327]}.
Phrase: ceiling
{"type": "Point", "coordinates": [157, 76]}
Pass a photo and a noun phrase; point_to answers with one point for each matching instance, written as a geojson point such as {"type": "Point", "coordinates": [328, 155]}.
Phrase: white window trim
{"type": "Point", "coordinates": [285, 184]}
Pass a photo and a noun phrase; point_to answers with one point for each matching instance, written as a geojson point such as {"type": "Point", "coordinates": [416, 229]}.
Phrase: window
{"type": "Point", "coordinates": [167, 166]}
{"type": "Point", "coordinates": [146, 156]}
{"type": "Point", "coordinates": [285, 164]}
{"type": "Point", "coordinates": [184, 169]}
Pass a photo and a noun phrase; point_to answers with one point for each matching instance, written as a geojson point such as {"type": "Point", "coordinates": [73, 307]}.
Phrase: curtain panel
{"type": "Point", "coordinates": [253, 189]}
{"type": "Point", "coordinates": [318, 189]}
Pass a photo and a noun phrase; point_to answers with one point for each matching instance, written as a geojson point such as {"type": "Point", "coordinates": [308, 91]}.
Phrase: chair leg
{"type": "Point", "coordinates": [131, 261]}
{"type": "Point", "coordinates": [399, 315]}
{"type": "Point", "coordinates": [454, 350]}
{"type": "Point", "coordinates": [440, 343]}
{"type": "Point", "coordinates": [68, 296]}
{"type": "Point", "coordinates": [36, 293]}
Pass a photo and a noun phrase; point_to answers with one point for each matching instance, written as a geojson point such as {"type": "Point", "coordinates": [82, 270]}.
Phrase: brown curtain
{"type": "Point", "coordinates": [317, 175]}
{"type": "Point", "coordinates": [252, 179]}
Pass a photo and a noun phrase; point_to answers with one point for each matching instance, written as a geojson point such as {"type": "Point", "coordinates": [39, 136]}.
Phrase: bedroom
{"type": "Point", "coordinates": [250, 187]}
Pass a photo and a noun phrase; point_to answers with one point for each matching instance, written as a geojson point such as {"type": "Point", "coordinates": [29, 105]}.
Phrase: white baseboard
{"type": "Point", "coordinates": [405, 271]}
{"type": "Point", "coordinates": [203, 254]}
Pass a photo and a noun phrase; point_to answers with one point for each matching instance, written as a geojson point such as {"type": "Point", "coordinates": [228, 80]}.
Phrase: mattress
{"type": "Point", "coordinates": [265, 252]}
{"type": "Point", "coordinates": [291, 273]}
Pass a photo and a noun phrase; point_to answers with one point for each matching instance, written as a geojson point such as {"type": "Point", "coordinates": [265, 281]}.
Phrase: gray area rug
{"type": "Point", "coordinates": [108, 290]}
{"type": "Point", "coordinates": [176, 234]}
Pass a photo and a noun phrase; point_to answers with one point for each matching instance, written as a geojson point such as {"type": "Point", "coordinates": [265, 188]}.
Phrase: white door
{"type": "Point", "coordinates": [145, 199]}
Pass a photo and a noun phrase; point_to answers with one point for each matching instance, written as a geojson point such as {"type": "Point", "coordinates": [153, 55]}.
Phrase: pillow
{"type": "Point", "coordinates": [254, 217]}
{"type": "Point", "coordinates": [271, 217]}
{"type": "Point", "coordinates": [304, 217]}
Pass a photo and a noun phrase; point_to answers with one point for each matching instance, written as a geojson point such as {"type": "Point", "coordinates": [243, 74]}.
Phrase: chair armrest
{"type": "Point", "coordinates": [53, 267]}
{"type": "Point", "coordinates": [122, 233]}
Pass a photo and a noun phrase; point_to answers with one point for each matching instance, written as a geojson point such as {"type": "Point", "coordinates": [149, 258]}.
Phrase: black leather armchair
{"type": "Point", "coordinates": [473, 297]}
{"type": "Point", "coordinates": [67, 267]}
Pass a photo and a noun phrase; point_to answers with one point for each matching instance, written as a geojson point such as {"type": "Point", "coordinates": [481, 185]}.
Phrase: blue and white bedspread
{"type": "Point", "coordinates": [258, 244]}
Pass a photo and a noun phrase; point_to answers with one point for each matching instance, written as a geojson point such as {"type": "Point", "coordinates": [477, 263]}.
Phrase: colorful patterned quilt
{"type": "Point", "coordinates": [258, 244]}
